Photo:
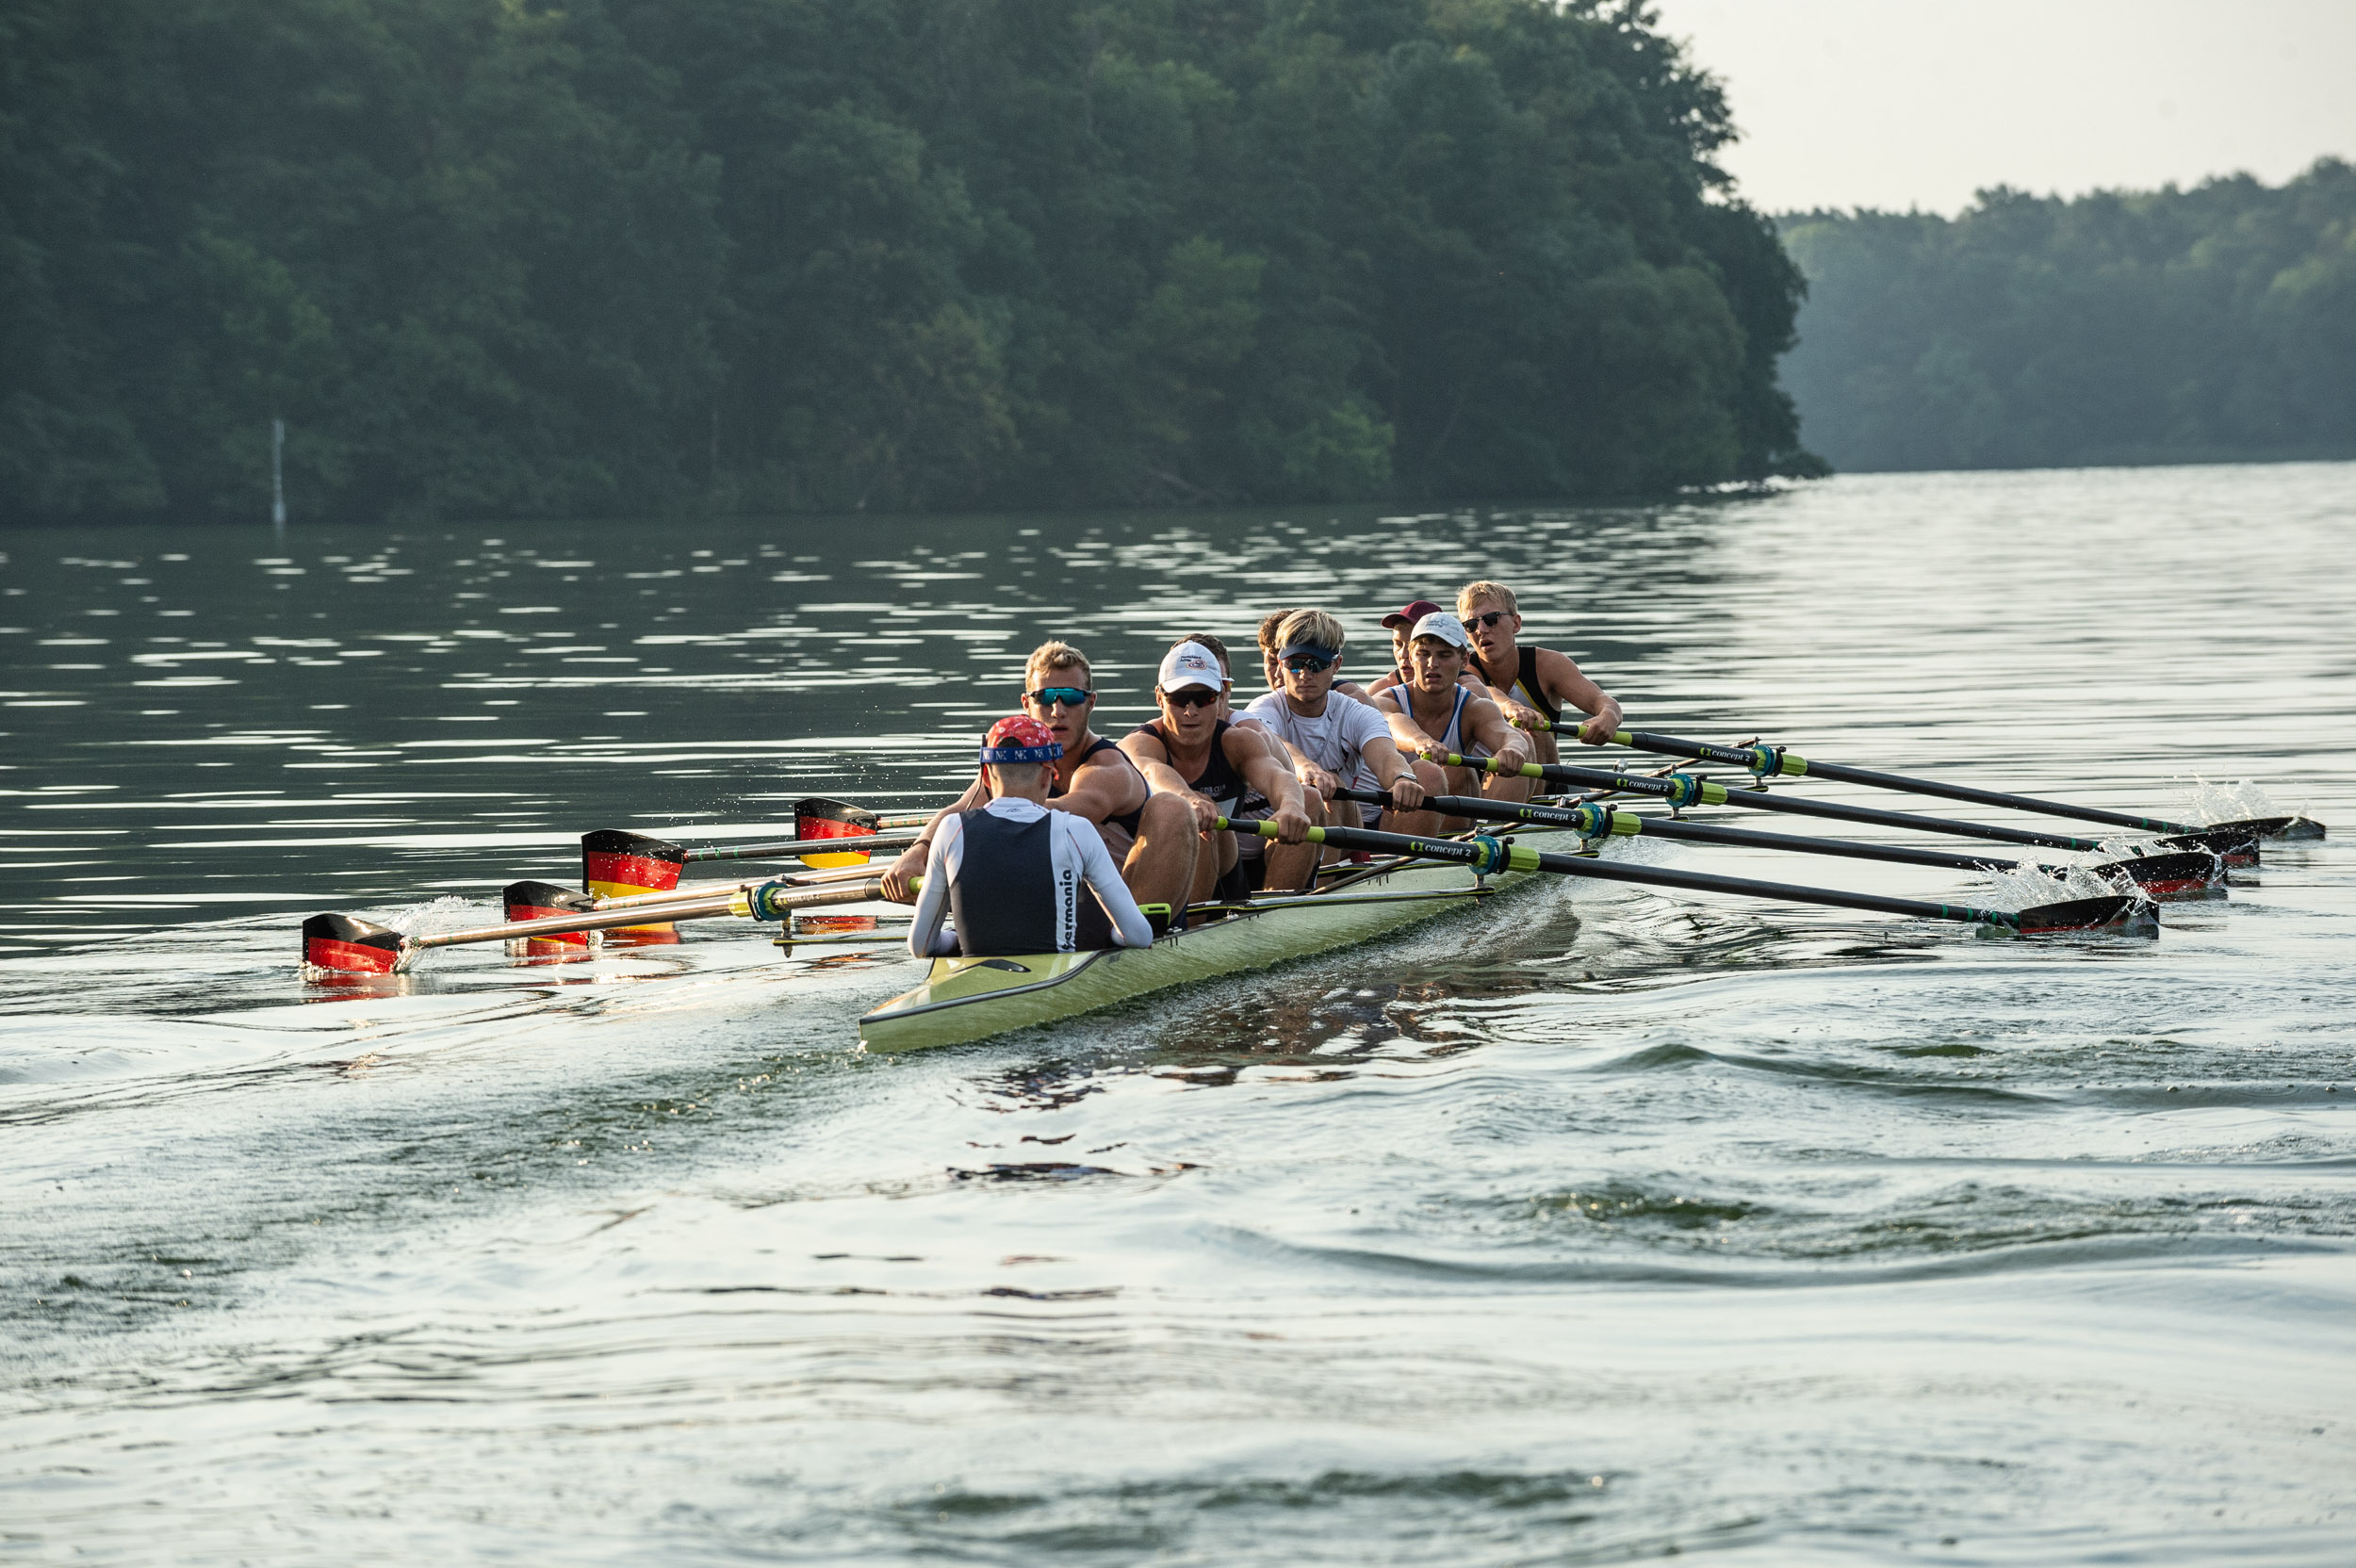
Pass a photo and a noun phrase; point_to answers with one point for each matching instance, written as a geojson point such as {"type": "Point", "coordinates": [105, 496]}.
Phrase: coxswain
{"type": "Point", "coordinates": [1151, 837]}
{"type": "Point", "coordinates": [1221, 769]}
{"type": "Point", "coordinates": [1447, 716]}
{"type": "Point", "coordinates": [1009, 875]}
{"type": "Point", "coordinates": [1537, 683]}
{"type": "Point", "coordinates": [1335, 742]}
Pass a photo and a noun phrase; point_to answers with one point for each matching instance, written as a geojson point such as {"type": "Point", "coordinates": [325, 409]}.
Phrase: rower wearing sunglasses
{"type": "Point", "coordinates": [1537, 683]}
{"type": "Point", "coordinates": [1446, 715]}
{"type": "Point", "coordinates": [1331, 737]}
{"type": "Point", "coordinates": [1151, 837]}
{"type": "Point", "coordinates": [1193, 754]}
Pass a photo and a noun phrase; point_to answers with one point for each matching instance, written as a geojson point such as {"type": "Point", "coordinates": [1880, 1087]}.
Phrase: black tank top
{"type": "Point", "coordinates": [1016, 862]}
{"type": "Point", "coordinates": [1128, 820]}
{"type": "Point", "coordinates": [1525, 684]}
{"type": "Point", "coordinates": [1219, 782]}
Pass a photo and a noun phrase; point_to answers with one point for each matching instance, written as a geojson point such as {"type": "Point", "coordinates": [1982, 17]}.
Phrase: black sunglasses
{"type": "Point", "coordinates": [1492, 618]}
{"type": "Point", "coordinates": [1191, 697]}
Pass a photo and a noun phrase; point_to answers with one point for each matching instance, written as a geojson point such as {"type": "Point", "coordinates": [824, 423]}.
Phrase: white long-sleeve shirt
{"type": "Point", "coordinates": [1080, 856]}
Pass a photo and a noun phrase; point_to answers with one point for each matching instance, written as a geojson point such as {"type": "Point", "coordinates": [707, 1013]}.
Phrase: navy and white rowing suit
{"type": "Point", "coordinates": [1010, 875]}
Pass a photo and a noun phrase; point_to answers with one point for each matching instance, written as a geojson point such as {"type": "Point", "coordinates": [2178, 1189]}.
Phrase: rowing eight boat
{"type": "Point", "coordinates": [972, 999]}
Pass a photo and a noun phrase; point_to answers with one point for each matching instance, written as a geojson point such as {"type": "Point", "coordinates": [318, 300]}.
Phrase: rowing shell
{"type": "Point", "coordinates": [972, 999]}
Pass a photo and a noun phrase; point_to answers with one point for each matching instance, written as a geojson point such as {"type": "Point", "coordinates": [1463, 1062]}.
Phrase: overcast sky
{"type": "Point", "coordinates": [1919, 103]}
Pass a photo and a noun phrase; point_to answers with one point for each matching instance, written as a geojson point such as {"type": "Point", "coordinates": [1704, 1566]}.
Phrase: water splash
{"type": "Point", "coordinates": [2207, 802]}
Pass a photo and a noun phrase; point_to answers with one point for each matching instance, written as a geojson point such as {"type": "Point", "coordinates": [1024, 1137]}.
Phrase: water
{"type": "Point", "coordinates": [1589, 1225]}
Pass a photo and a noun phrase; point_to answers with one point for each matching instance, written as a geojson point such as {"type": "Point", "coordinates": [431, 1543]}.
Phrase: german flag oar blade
{"type": "Point", "coordinates": [816, 817]}
{"type": "Point", "coordinates": [350, 946]}
{"type": "Point", "coordinates": [615, 862]}
{"type": "Point", "coordinates": [545, 900]}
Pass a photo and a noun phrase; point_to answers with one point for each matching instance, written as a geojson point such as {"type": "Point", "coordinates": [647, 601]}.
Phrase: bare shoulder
{"type": "Point", "coordinates": [1143, 745]}
{"type": "Point", "coordinates": [1556, 666]}
{"type": "Point", "coordinates": [1350, 689]}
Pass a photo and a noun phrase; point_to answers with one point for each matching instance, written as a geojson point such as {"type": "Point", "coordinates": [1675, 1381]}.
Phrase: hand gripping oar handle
{"type": "Point", "coordinates": [1681, 790]}
{"type": "Point", "coordinates": [1486, 857]}
{"type": "Point", "coordinates": [2155, 873]}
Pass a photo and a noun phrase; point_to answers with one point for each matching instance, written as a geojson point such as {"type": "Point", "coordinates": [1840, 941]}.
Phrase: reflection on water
{"type": "Point", "coordinates": [1592, 1223]}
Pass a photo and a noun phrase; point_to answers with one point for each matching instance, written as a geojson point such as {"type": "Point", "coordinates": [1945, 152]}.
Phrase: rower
{"type": "Point", "coordinates": [1537, 683]}
{"type": "Point", "coordinates": [1009, 872]}
{"type": "Point", "coordinates": [1269, 647]}
{"type": "Point", "coordinates": [1448, 717]}
{"type": "Point", "coordinates": [1334, 739]}
{"type": "Point", "coordinates": [1399, 624]}
{"type": "Point", "coordinates": [1221, 769]}
{"type": "Point", "coordinates": [1152, 838]}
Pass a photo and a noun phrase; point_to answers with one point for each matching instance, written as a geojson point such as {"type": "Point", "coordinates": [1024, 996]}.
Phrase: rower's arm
{"type": "Point", "coordinates": [1393, 772]}
{"type": "Point", "coordinates": [1099, 789]}
{"type": "Point", "coordinates": [926, 939]}
{"type": "Point", "coordinates": [910, 864]}
{"type": "Point", "coordinates": [1104, 879]}
{"type": "Point", "coordinates": [1570, 688]}
{"type": "Point", "coordinates": [1485, 726]}
{"type": "Point", "coordinates": [1265, 772]}
{"type": "Point", "coordinates": [1391, 702]}
{"type": "Point", "coordinates": [1153, 759]}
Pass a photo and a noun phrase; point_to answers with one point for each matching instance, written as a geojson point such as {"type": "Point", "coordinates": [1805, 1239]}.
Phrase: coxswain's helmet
{"type": "Point", "coordinates": [1021, 739]}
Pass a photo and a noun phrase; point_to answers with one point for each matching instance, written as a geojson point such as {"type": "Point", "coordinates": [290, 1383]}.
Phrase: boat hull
{"type": "Point", "coordinates": [972, 999]}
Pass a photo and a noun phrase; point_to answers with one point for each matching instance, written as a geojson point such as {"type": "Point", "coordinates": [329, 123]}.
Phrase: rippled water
{"type": "Point", "coordinates": [1593, 1224]}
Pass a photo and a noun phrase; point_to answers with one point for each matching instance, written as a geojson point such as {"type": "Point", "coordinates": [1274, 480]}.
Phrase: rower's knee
{"type": "Point", "coordinates": [1166, 816]}
{"type": "Point", "coordinates": [1431, 776]}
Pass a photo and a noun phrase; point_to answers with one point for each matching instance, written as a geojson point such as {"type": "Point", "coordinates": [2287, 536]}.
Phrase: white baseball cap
{"type": "Point", "coordinates": [1191, 665]}
{"type": "Point", "coordinates": [1446, 628]}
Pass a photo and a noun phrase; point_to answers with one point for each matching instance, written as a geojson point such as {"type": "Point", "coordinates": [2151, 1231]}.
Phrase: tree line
{"type": "Point", "coordinates": [2211, 324]}
{"type": "Point", "coordinates": [513, 257]}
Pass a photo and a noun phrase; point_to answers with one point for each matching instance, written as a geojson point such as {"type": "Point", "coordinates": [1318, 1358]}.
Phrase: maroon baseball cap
{"type": "Point", "coordinates": [1415, 611]}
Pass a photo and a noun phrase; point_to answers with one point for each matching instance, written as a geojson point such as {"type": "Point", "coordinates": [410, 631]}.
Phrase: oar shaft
{"type": "Point", "coordinates": [1683, 790]}
{"type": "Point", "coordinates": [1794, 766]}
{"type": "Point", "coordinates": [735, 901]}
{"type": "Point", "coordinates": [1487, 855]}
{"type": "Point", "coordinates": [785, 849]}
{"type": "Point", "coordinates": [1626, 824]}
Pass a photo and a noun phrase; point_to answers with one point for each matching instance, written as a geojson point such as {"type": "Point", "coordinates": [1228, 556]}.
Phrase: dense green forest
{"type": "Point", "coordinates": [2196, 325]}
{"type": "Point", "coordinates": [505, 257]}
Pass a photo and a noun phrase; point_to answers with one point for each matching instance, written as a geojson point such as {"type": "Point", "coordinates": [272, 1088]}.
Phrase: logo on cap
{"type": "Point", "coordinates": [1191, 665]}
{"type": "Point", "coordinates": [1446, 628]}
{"type": "Point", "coordinates": [1021, 739]}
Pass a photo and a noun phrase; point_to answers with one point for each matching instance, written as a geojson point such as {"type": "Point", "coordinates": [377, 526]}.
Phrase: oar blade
{"type": "Point", "coordinates": [615, 863]}
{"type": "Point", "coordinates": [2125, 914]}
{"type": "Point", "coordinates": [540, 900]}
{"type": "Point", "coordinates": [2271, 827]}
{"type": "Point", "coordinates": [2234, 843]}
{"type": "Point", "coordinates": [342, 944]}
{"type": "Point", "coordinates": [2189, 870]}
{"type": "Point", "coordinates": [817, 817]}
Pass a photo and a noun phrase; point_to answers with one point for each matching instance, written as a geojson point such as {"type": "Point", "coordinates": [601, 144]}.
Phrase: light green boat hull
{"type": "Point", "coordinates": [973, 999]}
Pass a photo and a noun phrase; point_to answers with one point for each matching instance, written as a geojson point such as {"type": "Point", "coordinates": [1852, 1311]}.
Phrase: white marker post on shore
{"type": "Point", "coordinates": [277, 473]}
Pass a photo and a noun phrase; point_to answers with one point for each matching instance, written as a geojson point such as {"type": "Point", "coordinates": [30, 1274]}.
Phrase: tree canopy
{"type": "Point", "coordinates": [2213, 324]}
{"type": "Point", "coordinates": [506, 256]}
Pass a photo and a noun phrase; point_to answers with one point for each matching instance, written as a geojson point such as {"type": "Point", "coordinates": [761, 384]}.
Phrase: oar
{"type": "Point", "coordinates": [1768, 761]}
{"type": "Point", "coordinates": [2156, 874]}
{"type": "Point", "coordinates": [348, 945]}
{"type": "Point", "coordinates": [2238, 845]}
{"type": "Point", "coordinates": [1486, 857]}
{"type": "Point", "coordinates": [615, 862]}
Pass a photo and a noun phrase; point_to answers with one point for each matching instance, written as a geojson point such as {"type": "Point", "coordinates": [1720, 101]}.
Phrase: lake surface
{"type": "Point", "coordinates": [1593, 1224]}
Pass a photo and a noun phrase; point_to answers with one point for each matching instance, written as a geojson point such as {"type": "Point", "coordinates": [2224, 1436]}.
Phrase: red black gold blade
{"type": "Point", "coordinates": [349, 946]}
{"type": "Point", "coordinates": [820, 818]}
{"type": "Point", "coordinates": [615, 863]}
{"type": "Point", "coordinates": [538, 900]}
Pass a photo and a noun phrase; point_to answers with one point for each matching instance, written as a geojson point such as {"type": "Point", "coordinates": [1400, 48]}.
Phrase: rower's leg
{"type": "Point", "coordinates": [1434, 781]}
{"type": "Point", "coordinates": [1214, 857]}
{"type": "Point", "coordinates": [1159, 868]}
{"type": "Point", "coordinates": [1291, 868]}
